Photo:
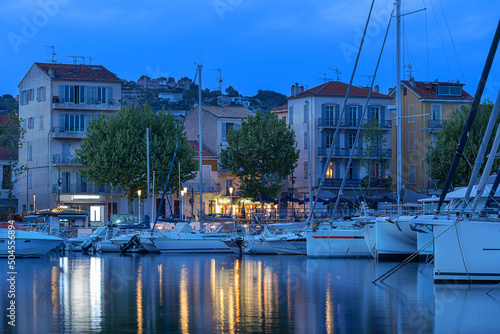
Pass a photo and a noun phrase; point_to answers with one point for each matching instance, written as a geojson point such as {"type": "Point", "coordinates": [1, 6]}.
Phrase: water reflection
{"type": "Point", "coordinates": [227, 294]}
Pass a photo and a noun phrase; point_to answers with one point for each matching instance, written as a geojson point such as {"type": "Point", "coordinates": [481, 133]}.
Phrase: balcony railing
{"type": "Point", "coordinates": [83, 188]}
{"type": "Point", "coordinates": [349, 123]}
{"type": "Point", "coordinates": [94, 105]}
{"type": "Point", "coordinates": [62, 132]}
{"type": "Point", "coordinates": [435, 123]}
{"type": "Point", "coordinates": [207, 187]}
{"type": "Point", "coordinates": [346, 152]}
{"type": "Point", "coordinates": [336, 183]}
{"type": "Point", "coordinates": [64, 160]}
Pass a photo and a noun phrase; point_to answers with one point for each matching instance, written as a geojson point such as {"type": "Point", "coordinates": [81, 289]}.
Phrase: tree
{"type": "Point", "coordinates": [442, 151]}
{"type": "Point", "coordinates": [371, 154]}
{"type": "Point", "coordinates": [262, 153]}
{"type": "Point", "coordinates": [114, 150]}
{"type": "Point", "coordinates": [231, 92]}
{"type": "Point", "coordinates": [11, 140]}
{"type": "Point", "coordinates": [145, 77]}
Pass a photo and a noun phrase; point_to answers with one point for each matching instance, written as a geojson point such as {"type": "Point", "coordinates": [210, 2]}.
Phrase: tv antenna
{"type": "Point", "coordinates": [410, 71]}
{"type": "Point", "coordinates": [336, 70]}
{"type": "Point", "coordinates": [324, 78]}
{"type": "Point", "coordinates": [52, 54]}
{"type": "Point", "coordinates": [369, 78]}
{"type": "Point", "coordinates": [90, 60]}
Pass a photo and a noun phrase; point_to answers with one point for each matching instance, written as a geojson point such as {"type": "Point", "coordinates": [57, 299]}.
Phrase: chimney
{"type": "Point", "coordinates": [301, 89]}
{"type": "Point", "coordinates": [293, 90]}
{"type": "Point", "coordinates": [376, 89]}
{"type": "Point", "coordinates": [296, 88]}
{"type": "Point", "coordinates": [412, 82]}
{"type": "Point", "coordinates": [51, 72]}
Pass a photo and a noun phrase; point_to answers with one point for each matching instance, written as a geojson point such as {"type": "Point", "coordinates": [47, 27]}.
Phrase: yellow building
{"type": "Point", "coordinates": [424, 106]}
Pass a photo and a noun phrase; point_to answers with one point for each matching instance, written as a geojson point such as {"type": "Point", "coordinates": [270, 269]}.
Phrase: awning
{"type": "Point", "coordinates": [30, 218]}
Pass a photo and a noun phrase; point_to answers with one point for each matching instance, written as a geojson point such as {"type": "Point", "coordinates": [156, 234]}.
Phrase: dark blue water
{"type": "Point", "coordinates": [113, 293]}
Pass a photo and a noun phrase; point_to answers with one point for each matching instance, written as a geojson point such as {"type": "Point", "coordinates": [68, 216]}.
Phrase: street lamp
{"type": "Point", "coordinates": [182, 204]}
{"type": "Point", "coordinates": [139, 194]}
{"type": "Point", "coordinates": [231, 189]}
{"type": "Point", "coordinates": [185, 202]}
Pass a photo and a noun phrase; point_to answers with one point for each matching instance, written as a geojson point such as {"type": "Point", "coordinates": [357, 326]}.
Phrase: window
{"type": "Point", "coordinates": [71, 123]}
{"type": "Point", "coordinates": [226, 127]}
{"type": "Point", "coordinates": [329, 139]}
{"type": "Point", "coordinates": [351, 139]}
{"type": "Point", "coordinates": [306, 171]}
{"type": "Point", "coordinates": [40, 93]}
{"type": "Point", "coordinates": [329, 171]}
{"type": "Point", "coordinates": [352, 172]}
{"type": "Point", "coordinates": [411, 141]}
{"type": "Point", "coordinates": [305, 140]}
{"type": "Point", "coordinates": [450, 90]}
{"type": "Point", "coordinates": [101, 95]}
{"type": "Point", "coordinates": [411, 113]}
{"type": "Point", "coordinates": [66, 178]}
{"type": "Point", "coordinates": [30, 185]}
{"type": "Point", "coordinates": [330, 115]}
{"type": "Point", "coordinates": [24, 97]}
{"type": "Point", "coordinates": [436, 114]}
{"type": "Point", "coordinates": [6, 177]}
{"type": "Point", "coordinates": [376, 170]}
{"type": "Point", "coordinates": [412, 174]}
{"type": "Point", "coordinates": [290, 115]}
{"type": "Point", "coordinates": [32, 94]}
{"type": "Point", "coordinates": [41, 122]}
{"type": "Point", "coordinates": [376, 113]}
{"type": "Point", "coordinates": [24, 124]}
{"type": "Point", "coordinates": [352, 114]}
{"type": "Point", "coordinates": [31, 123]}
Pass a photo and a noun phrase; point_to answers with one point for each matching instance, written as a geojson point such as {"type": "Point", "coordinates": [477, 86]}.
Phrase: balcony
{"type": "Point", "coordinates": [62, 133]}
{"type": "Point", "coordinates": [336, 183]}
{"type": "Point", "coordinates": [207, 187]}
{"type": "Point", "coordinates": [327, 123]}
{"type": "Point", "coordinates": [112, 105]}
{"type": "Point", "coordinates": [83, 188]}
{"type": "Point", "coordinates": [346, 152]}
{"type": "Point", "coordinates": [66, 160]}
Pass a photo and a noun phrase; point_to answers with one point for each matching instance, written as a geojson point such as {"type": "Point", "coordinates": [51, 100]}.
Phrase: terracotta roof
{"type": "Point", "coordinates": [337, 88]}
{"type": "Point", "coordinates": [234, 112]}
{"type": "Point", "coordinates": [428, 90]}
{"type": "Point", "coordinates": [4, 152]}
{"type": "Point", "coordinates": [205, 153]}
{"type": "Point", "coordinates": [283, 108]}
{"type": "Point", "coordinates": [79, 72]}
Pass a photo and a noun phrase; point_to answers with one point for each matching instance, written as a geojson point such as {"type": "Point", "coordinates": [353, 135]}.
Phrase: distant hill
{"type": "Point", "coordinates": [8, 103]}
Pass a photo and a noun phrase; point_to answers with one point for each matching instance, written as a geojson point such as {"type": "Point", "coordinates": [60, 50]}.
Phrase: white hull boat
{"type": "Point", "coordinates": [193, 243]}
{"type": "Point", "coordinates": [337, 242]}
{"type": "Point", "coordinates": [27, 243]}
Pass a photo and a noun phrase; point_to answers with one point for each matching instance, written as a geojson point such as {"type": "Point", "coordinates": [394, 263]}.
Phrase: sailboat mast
{"type": "Point", "coordinates": [398, 103]}
{"type": "Point", "coordinates": [201, 146]}
{"type": "Point", "coordinates": [147, 158]}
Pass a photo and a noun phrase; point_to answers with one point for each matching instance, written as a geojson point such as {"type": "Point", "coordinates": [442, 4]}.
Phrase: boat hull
{"type": "Point", "coordinates": [28, 244]}
{"type": "Point", "coordinates": [193, 243]}
{"type": "Point", "coordinates": [337, 243]}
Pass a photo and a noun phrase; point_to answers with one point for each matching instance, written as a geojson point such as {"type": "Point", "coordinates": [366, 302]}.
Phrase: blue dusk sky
{"type": "Point", "coordinates": [268, 45]}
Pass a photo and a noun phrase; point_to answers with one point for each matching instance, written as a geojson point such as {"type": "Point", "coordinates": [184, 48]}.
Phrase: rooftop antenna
{"type": "Point", "coordinates": [410, 71]}
{"type": "Point", "coordinates": [82, 58]}
{"type": "Point", "coordinates": [336, 70]}
{"type": "Point", "coordinates": [90, 60]}
{"type": "Point", "coordinates": [74, 58]}
{"type": "Point", "coordinates": [369, 78]}
{"type": "Point", "coordinates": [52, 54]}
{"type": "Point", "coordinates": [325, 78]}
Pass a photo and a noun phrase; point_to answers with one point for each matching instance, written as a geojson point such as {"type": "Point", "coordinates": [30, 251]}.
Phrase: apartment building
{"type": "Point", "coordinates": [57, 102]}
{"type": "Point", "coordinates": [317, 112]}
{"type": "Point", "coordinates": [424, 107]}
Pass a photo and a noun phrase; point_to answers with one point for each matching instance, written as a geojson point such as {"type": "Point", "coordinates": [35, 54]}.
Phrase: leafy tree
{"type": "Point", "coordinates": [442, 151]}
{"type": "Point", "coordinates": [262, 153]}
{"type": "Point", "coordinates": [145, 77]}
{"type": "Point", "coordinates": [231, 92]}
{"type": "Point", "coordinates": [371, 153]}
{"type": "Point", "coordinates": [114, 150]}
{"type": "Point", "coordinates": [268, 99]}
{"type": "Point", "coordinates": [11, 140]}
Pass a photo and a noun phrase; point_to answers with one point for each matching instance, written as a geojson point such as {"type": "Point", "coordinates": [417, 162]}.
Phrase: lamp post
{"type": "Point", "coordinates": [181, 213]}
{"type": "Point", "coordinates": [185, 202]}
{"type": "Point", "coordinates": [139, 194]}
{"type": "Point", "coordinates": [231, 189]}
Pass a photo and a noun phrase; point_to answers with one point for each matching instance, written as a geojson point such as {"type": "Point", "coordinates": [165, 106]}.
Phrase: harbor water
{"type": "Point", "coordinates": [115, 293]}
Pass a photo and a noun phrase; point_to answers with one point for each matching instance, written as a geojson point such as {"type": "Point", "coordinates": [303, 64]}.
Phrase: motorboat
{"type": "Point", "coordinates": [27, 243]}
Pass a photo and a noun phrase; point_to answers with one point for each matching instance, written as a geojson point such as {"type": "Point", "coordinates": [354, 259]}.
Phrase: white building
{"type": "Point", "coordinates": [325, 103]}
{"type": "Point", "coordinates": [57, 102]}
{"type": "Point", "coordinates": [172, 97]}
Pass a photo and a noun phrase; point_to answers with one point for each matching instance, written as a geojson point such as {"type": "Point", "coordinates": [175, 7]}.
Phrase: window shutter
{"type": "Point", "coordinates": [61, 122]}
{"type": "Point", "coordinates": [306, 115]}
{"type": "Point", "coordinates": [382, 115]}
{"type": "Point", "coordinates": [61, 93]}
{"type": "Point", "coordinates": [370, 112]}
{"type": "Point", "coordinates": [346, 140]}
{"type": "Point", "coordinates": [89, 95]}
{"type": "Point", "coordinates": [323, 113]}
{"type": "Point", "coordinates": [290, 115]}
{"type": "Point", "coordinates": [347, 115]}
{"type": "Point", "coordinates": [223, 132]}
{"type": "Point", "coordinates": [360, 113]}
{"type": "Point", "coordinates": [110, 95]}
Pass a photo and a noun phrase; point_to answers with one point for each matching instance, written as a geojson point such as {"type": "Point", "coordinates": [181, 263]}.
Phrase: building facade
{"type": "Point", "coordinates": [8, 181]}
{"type": "Point", "coordinates": [56, 104]}
{"type": "Point", "coordinates": [316, 112]}
{"type": "Point", "coordinates": [424, 106]}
